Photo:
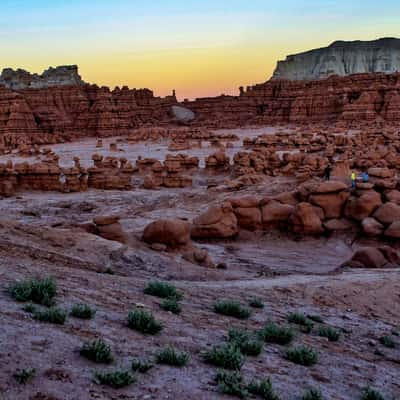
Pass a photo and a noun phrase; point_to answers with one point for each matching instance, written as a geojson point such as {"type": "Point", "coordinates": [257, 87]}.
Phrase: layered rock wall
{"type": "Point", "coordinates": [342, 58]}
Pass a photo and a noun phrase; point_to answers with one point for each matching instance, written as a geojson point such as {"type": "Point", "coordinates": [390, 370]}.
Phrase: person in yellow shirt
{"type": "Point", "coordinates": [353, 179]}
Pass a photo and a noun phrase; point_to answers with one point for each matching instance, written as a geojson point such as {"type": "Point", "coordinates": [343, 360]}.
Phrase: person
{"type": "Point", "coordinates": [353, 179]}
{"type": "Point", "coordinates": [365, 176]}
{"type": "Point", "coordinates": [327, 173]}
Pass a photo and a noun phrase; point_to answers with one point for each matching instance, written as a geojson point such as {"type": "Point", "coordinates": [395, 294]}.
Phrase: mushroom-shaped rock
{"type": "Point", "coordinates": [387, 213]}
{"type": "Point", "coordinates": [171, 232]}
{"type": "Point", "coordinates": [108, 227]}
{"type": "Point", "coordinates": [372, 227]}
{"type": "Point", "coordinates": [306, 219]}
{"type": "Point", "coordinates": [274, 213]}
{"type": "Point", "coordinates": [217, 222]}
{"type": "Point", "coordinates": [394, 230]}
{"type": "Point", "coordinates": [367, 257]}
{"type": "Point", "coordinates": [362, 207]}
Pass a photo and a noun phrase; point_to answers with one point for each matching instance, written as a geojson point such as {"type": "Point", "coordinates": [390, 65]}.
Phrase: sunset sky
{"type": "Point", "coordinates": [198, 47]}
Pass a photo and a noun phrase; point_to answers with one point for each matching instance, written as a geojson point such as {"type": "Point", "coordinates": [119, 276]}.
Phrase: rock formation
{"type": "Point", "coordinates": [342, 58]}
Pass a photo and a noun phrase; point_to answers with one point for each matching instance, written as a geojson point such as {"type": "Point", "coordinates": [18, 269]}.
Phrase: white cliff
{"type": "Point", "coordinates": [342, 58]}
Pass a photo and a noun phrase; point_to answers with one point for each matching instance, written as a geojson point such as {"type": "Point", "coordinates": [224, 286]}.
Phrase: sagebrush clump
{"type": "Point", "coordinates": [144, 322]}
{"type": "Point", "coordinates": [97, 351]}
{"type": "Point", "coordinates": [302, 355]}
{"type": "Point", "coordinates": [23, 376]}
{"type": "Point", "coordinates": [39, 291]}
{"type": "Point", "coordinates": [228, 356]}
{"type": "Point", "coordinates": [116, 379]}
{"type": "Point", "coordinates": [82, 311]}
{"type": "Point", "coordinates": [163, 290]}
{"type": "Point", "coordinates": [273, 333]}
{"type": "Point", "coordinates": [232, 308]}
{"type": "Point", "coordinates": [263, 388]}
{"type": "Point", "coordinates": [231, 383]}
{"type": "Point", "coordinates": [53, 315]}
{"type": "Point", "coordinates": [170, 356]}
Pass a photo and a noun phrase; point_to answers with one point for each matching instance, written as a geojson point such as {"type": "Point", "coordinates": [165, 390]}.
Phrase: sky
{"type": "Point", "coordinates": [197, 47]}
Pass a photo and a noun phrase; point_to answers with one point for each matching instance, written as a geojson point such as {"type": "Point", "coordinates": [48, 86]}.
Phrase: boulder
{"type": "Point", "coordinates": [394, 230]}
{"type": "Point", "coordinates": [387, 213]}
{"type": "Point", "coordinates": [372, 227]}
{"type": "Point", "coordinates": [274, 213]}
{"type": "Point", "coordinates": [330, 187]}
{"type": "Point", "coordinates": [368, 257]}
{"type": "Point", "coordinates": [112, 232]}
{"type": "Point", "coordinates": [305, 220]}
{"type": "Point", "coordinates": [106, 219]}
{"type": "Point", "coordinates": [332, 203]}
{"type": "Point", "coordinates": [217, 222]}
{"type": "Point", "coordinates": [393, 196]}
{"type": "Point", "coordinates": [199, 257]}
{"type": "Point", "coordinates": [170, 232]}
{"type": "Point", "coordinates": [248, 218]}
{"type": "Point", "coordinates": [337, 225]}
{"type": "Point", "coordinates": [362, 207]}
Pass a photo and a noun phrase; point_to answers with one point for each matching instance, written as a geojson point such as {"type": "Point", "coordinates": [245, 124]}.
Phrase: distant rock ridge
{"type": "Point", "coordinates": [342, 58]}
{"type": "Point", "coordinates": [19, 79]}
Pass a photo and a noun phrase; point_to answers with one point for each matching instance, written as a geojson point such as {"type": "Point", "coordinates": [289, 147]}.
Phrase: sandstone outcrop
{"type": "Point", "coordinates": [217, 222]}
{"type": "Point", "coordinates": [342, 58]}
{"type": "Point", "coordinates": [173, 233]}
{"type": "Point", "coordinates": [109, 227]}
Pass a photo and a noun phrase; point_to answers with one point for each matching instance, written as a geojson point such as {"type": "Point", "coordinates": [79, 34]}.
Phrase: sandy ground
{"type": "Point", "coordinates": [38, 237]}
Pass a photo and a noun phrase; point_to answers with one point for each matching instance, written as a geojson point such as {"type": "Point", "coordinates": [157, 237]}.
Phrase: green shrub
{"type": "Point", "coordinates": [246, 342]}
{"type": "Point", "coordinates": [332, 334]}
{"type": "Point", "coordinates": [144, 322]}
{"type": "Point", "coordinates": [53, 315]}
{"type": "Point", "coordinates": [228, 356]}
{"type": "Point", "coordinates": [302, 355]}
{"type": "Point", "coordinates": [388, 342]}
{"type": "Point", "coordinates": [300, 319]}
{"type": "Point", "coordinates": [232, 308]}
{"type": "Point", "coordinates": [109, 271]}
{"type": "Point", "coordinates": [312, 394]}
{"type": "Point", "coordinates": [141, 366]}
{"type": "Point", "coordinates": [171, 305]}
{"type": "Point", "coordinates": [263, 388]}
{"type": "Point", "coordinates": [116, 379]}
{"type": "Point", "coordinates": [82, 311]}
{"type": "Point", "coordinates": [316, 318]}
{"type": "Point", "coordinates": [23, 376]}
{"type": "Point", "coordinates": [39, 291]}
{"type": "Point", "coordinates": [256, 302]}
{"type": "Point", "coordinates": [162, 290]}
{"type": "Point", "coordinates": [372, 394]}
{"type": "Point", "coordinates": [273, 333]}
{"type": "Point", "coordinates": [30, 308]}
{"type": "Point", "coordinates": [97, 351]}
{"type": "Point", "coordinates": [231, 383]}
{"type": "Point", "coordinates": [170, 356]}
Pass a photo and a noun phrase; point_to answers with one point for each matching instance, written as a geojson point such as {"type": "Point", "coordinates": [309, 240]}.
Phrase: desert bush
{"type": "Point", "coordinates": [302, 355]}
{"type": "Point", "coordinates": [300, 319]}
{"type": "Point", "coordinates": [256, 302]}
{"type": "Point", "coordinates": [144, 322]}
{"type": "Point", "coordinates": [170, 356]}
{"type": "Point", "coordinates": [332, 334]}
{"type": "Point", "coordinates": [316, 318]}
{"type": "Point", "coordinates": [387, 341]}
{"type": "Point", "coordinates": [116, 379]}
{"type": "Point", "coordinates": [23, 376]}
{"type": "Point", "coordinates": [163, 290]}
{"type": "Point", "coordinates": [273, 333]}
{"type": "Point", "coordinates": [53, 315]}
{"type": "Point", "coordinates": [246, 342]}
{"type": "Point", "coordinates": [82, 311]}
{"type": "Point", "coordinates": [228, 356]}
{"type": "Point", "coordinates": [141, 366]}
{"type": "Point", "coordinates": [232, 308]}
{"type": "Point", "coordinates": [312, 394]}
{"type": "Point", "coordinates": [263, 389]}
{"type": "Point", "coordinates": [171, 305]}
{"type": "Point", "coordinates": [97, 351]}
{"type": "Point", "coordinates": [39, 291]}
{"type": "Point", "coordinates": [372, 394]}
{"type": "Point", "coordinates": [231, 383]}
{"type": "Point", "coordinates": [30, 308]}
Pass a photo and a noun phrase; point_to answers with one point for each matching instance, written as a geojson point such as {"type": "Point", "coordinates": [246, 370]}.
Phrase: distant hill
{"type": "Point", "coordinates": [342, 58]}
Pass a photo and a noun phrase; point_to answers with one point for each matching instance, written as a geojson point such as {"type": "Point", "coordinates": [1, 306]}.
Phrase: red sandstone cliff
{"type": "Point", "coordinates": [347, 100]}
